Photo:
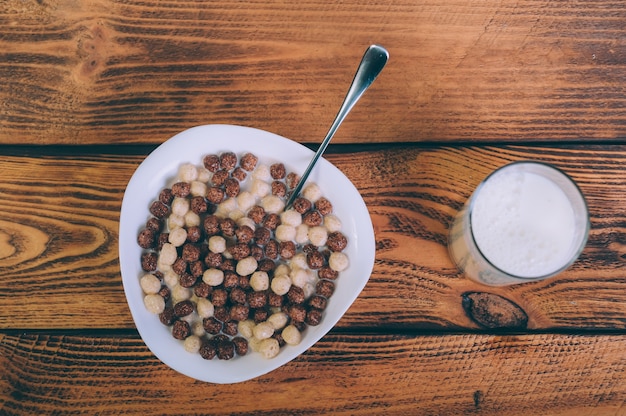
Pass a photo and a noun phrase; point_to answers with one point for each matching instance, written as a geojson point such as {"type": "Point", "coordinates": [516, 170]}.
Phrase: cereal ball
{"type": "Point", "coordinates": [259, 188]}
{"type": "Point", "coordinates": [217, 244]}
{"type": "Point", "coordinates": [262, 172]}
{"type": "Point", "coordinates": [245, 327]}
{"type": "Point", "coordinates": [180, 293]}
{"type": "Point", "coordinates": [213, 277]}
{"type": "Point", "coordinates": [302, 205]}
{"type": "Point", "coordinates": [259, 281]}
{"type": "Point", "coordinates": [241, 345]}
{"type": "Point", "coordinates": [275, 301]}
{"type": "Point", "coordinates": [279, 189]}
{"type": "Point", "coordinates": [302, 234]}
{"type": "Point", "coordinates": [149, 262]}
{"type": "Point", "coordinates": [332, 223]}
{"type": "Point", "coordinates": [170, 278]}
{"type": "Point", "coordinates": [318, 235]}
{"type": "Point", "coordinates": [287, 249]}
{"type": "Point", "coordinates": [263, 330]}
{"type": "Point", "coordinates": [230, 328]}
{"type": "Point", "coordinates": [226, 207]}
{"type": "Point", "coordinates": [175, 221]}
{"type": "Point", "coordinates": [338, 261]}
{"type": "Point", "coordinates": [297, 313]}
{"type": "Point", "coordinates": [219, 297]}
{"type": "Point", "coordinates": [183, 308]}
{"type": "Point", "coordinates": [178, 237]}
{"type": "Point", "coordinates": [146, 238]}
{"type": "Point", "coordinates": [324, 206]}
{"type": "Point", "coordinates": [291, 217]}
{"type": "Point", "coordinates": [154, 303]}
{"type": "Point", "coordinates": [150, 284]}
{"type": "Point", "coordinates": [215, 194]}
{"type": "Point", "coordinates": [231, 187]}
{"type": "Point", "coordinates": [227, 227]}
{"type": "Point", "coordinates": [281, 284]}
{"type": "Point", "coordinates": [262, 236]}
{"type": "Point", "coordinates": [239, 251]}
{"type": "Point", "coordinates": [337, 241]}
{"type": "Point", "coordinates": [246, 266]}
{"type": "Point", "coordinates": [327, 273]}
{"type": "Point", "coordinates": [271, 221]}
{"type": "Point", "coordinates": [159, 209]}
{"type": "Point", "coordinates": [292, 179]}
{"type": "Point", "coordinates": [315, 260]}
{"type": "Point", "coordinates": [228, 160]}
{"type": "Point", "coordinates": [278, 171]}
{"type": "Point", "coordinates": [239, 174]}
{"type": "Point", "coordinates": [261, 314]}
{"type": "Point", "coordinates": [317, 302]}
{"type": "Point", "coordinates": [248, 162]}
{"type": "Point", "coordinates": [325, 288]}
{"type": "Point", "coordinates": [179, 266]}
{"type": "Point", "coordinates": [198, 188]}
{"type": "Point", "coordinates": [244, 234]}
{"type": "Point", "coordinates": [308, 289]}
{"type": "Point", "coordinates": [211, 163]}
{"type": "Point", "coordinates": [181, 330]}
{"type": "Point", "coordinates": [212, 325]}
{"type": "Point", "coordinates": [208, 350]}
{"type": "Point", "coordinates": [187, 280]}
{"type": "Point", "coordinates": [295, 295]}
{"type": "Point", "coordinates": [245, 200]}
{"type": "Point", "coordinates": [254, 344]}
{"type": "Point", "coordinates": [285, 232]}
{"type": "Point", "coordinates": [167, 317]}
{"type": "Point", "coordinates": [269, 348]}
{"type": "Point", "coordinates": [299, 277]}
{"type": "Point", "coordinates": [246, 222]}
{"type": "Point", "coordinates": [190, 252]}
{"type": "Point", "coordinates": [313, 317]}
{"type": "Point", "coordinates": [312, 218]}
{"type": "Point", "coordinates": [312, 192]}
{"type": "Point", "coordinates": [205, 308]}
{"type": "Point", "coordinates": [192, 344]}
{"type": "Point", "coordinates": [278, 320]}
{"type": "Point", "coordinates": [256, 214]}
{"type": "Point", "coordinates": [166, 196]}
{"type": "Point", "coordinates": [204, 175]}
{"type": "Point", "coordinates": [291, 335]}
{"type": "Point", "coordinates": [211, 225]}
{"type": "Point", "coordinates": [187, 172]}
{"type": "Point", "coordinates": [219, 177]}
{"type": "Point", "coordinates": [272, 204]}
{"type": "Point", "coordinates": [181, 189]}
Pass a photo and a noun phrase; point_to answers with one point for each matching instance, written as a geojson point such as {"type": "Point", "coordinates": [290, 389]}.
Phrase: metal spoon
{"type": "Point", "coordinates": [372, 63]}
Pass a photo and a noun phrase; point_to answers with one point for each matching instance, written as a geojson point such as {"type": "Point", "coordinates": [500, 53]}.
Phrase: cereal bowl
{"type": "Point", "coordinates": [161, 167]}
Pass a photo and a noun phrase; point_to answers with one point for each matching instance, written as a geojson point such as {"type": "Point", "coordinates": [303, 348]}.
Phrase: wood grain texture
{"type": "Point", "coordinates": [59, 218]}
{"type": "Point", "coordinates": [107, 71]}
{"type": "Point", "coordinates": [342, 374]}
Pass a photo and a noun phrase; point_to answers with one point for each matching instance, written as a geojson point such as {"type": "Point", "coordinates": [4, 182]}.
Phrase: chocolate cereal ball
{"type": "Point", "coordinates": [248, 162]}
{"type": "Point", "coordinates": [211, 163]}
{"type": "Point", "coordinates": [181, 330]}
{"type": "Point", "coordinates": [241, 345]}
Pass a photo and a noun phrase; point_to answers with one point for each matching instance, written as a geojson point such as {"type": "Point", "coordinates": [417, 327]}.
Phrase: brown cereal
{"type": "Point", "coordinates": [215, 194]}
{"type": "Point", "coordinates": [187, 280]}
{"type": "Point", "coordinates": [291, 180]}
{"type": "Point", "coordinates": [313, 317]}
{"type": "Point", "coordinates": [244, 234]}
{"type": "Point", "coordinates": [194, 234]}
{"type": "Point", "coordinates": [181, 330]}
{"type": "Point", "coordinates": [257, 214]}
{"type": "Point", "coordinates": [325, 288]}
{"type": "Point", "coordinates": [163, 238]}
{"type": "Point", "coordinates": [227, 227]}
{"type": "Point", "coordinates": [266, 265]}
{"type": "Point", "coordinates": [228, 160]}
{"type": "Point", "coordinates": [248, 162]}
{"type": "Point", "coordinates": [220, 177]}
{"type": "Point", "coordinates": [230, 328]}
{"type": "Point", "coordinates": [237, 296]}
{"type": "Point", "coordinates": [302, 205]}
{"type": "Point", "coordinates": [287, 249]}
{"type": "Point", "coordinates": [231, 280]}
{"type": "Point", "coordinates": [211, 163]}
{"type": "Point", "coordinates": [279, 337]}
{"type": "Point", "coordinates": [202, 290]}
{"type": "Point", "coordinates": [257, 299]}
{"type": "Point", "coordinates": [260, 315]}
{"type": "Point", "coordinates": [149, 261]}
{"type": "Point", "coordinates": [336, 241]}
{"type": "Point", "coordinates": [190, 252]}
{"type": "Point", "coordinates": [241, 345]}
{"type": "Point", "coordinates": [159, 209]}
{"type": "Point", "coordinates": [262, 236]}
{"type": "Point", "coordinates": [219, 297]}
{"type": "Point", "coordinates": [225, 350]}
{"type": "Point", "coordinates": [199, 205]}
{"type": "Point", "coordinates": [213, 260]}
{"type": "Point", "coordinates": [324, 206]}
{"type": "Point", "coordinates": [146, 238]}
{"type": "Point", "coordinates": [231, 187]}
{"type": "Point", "coordinates": [295, 295]}
{"type": "Point", "coordinates": [167, 317]}
{"type": "Point", "coordinates": [239, 174]}
{"type": "Point", "coordinates": [274, 300]}
{"type": "Point", "coordinates": [208, 350]}
{"type": "Point", "coordinates": [211, 225]}
{"type": "Point", "coordinates": [327, 273]}
{"type": "Point", "coordinates": [271, 221]}
{"type": "Point", "coordinates": [297, 313]}
{"type": "Point", "coordinates": [312, 218]}
{"type": "Point", "coordinates": [279, 189]}
{"type": "Point", "coordinates": [271, 249]}
{"type": "Point", "coordinates": [154, 224]}
{"type": "Point", "coordinates": [228, 265]}
{"type": "Point", "coordinates": [239, 251]}
{"type": "Point", "coordinates": [256, 252]}
{"type": "Point", "coordinates": [222, 314]}
{"type": "Point", "coordinates": [239, 312]}
{"type": "Point", "coordinates": [317, 302]}
{"type": "Point", "coordinates": [183, 308]}
{"type": "Point", "coordinates": [277, 171]}
{"type": "Point", "coordinates": [315, 260]}
{"type": "Point", "coordinates": [212, 325]}
{"type": "Point", "coordinates": [244, 282]}
{"type": "Point", "coordinates": [166, 196]}
{"type": "Point", "coordinates": [181, 189]}
{"type": "Point", "coordinates": [179, 266]}
{"type": "Point", "coordinates": [165, 293]}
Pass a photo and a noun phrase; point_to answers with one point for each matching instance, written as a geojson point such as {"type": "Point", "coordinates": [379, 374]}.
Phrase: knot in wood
{"type": "Point", "coordinates": [493, 311]}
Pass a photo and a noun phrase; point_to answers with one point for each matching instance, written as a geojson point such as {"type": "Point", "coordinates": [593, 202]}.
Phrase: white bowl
{"type": "Point", "coordinates": [161, 166]}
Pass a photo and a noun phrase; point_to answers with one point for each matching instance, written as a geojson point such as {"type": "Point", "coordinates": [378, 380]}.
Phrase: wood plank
{"type": "Point", "coordinates": [341, 374]}
{"type": "Point", "coordinates": [59, 218]}
{"type": "Point", "coordinates": [104, 71]}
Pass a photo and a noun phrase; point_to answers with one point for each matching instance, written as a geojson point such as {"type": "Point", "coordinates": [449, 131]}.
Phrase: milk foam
{"type": "Point", "coordinates": [523, 224]}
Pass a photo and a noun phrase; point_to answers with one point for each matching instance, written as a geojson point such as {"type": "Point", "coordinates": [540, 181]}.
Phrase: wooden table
{"type": "Point", "coordinates": [89, 88]}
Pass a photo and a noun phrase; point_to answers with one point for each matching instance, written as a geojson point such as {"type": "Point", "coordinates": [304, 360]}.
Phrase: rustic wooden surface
{"type": "Point", "coordinates": [89, 88]}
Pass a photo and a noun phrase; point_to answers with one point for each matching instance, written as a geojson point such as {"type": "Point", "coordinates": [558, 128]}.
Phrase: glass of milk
{"type": "Point", "coordinates": [526, 221]}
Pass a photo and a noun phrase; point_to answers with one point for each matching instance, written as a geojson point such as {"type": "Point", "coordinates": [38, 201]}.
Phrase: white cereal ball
{"type": "Point", "coordinates": [236, 214]}
{"type": "Point", "coordinates": [308, 289]}
{"type": "Point", "coordinates": [154, 303]}
{"type": "Point", "coordinates": [246, 221]}
{"type": "Point", "coordinates": [269, 348]}
{"type": "Point", "coordinates": [213, 277]}
{"type": "Point", "coordinates": [217, 244]}
{"type": "Point", "coordinates": [180, 293]}
{"type": "Point", "coordinates": [192, 343]}
{"type": "Point", "coordinates": [318, 235]}
{"type": "Point", "coordinates": [204, 175]}
{"type": "Point", "coordinates": [272, 204]}
{"type": "Point", "coordinates": [180, 206]}
{"type": "Point", "coordinates": [254, 344]}
{"type": "Point", "coordinates": [285, 232]}
{"type": "Point", "coordinates": [170, 278]}
{"type": "Point", "coordinates": [338, 261]}
{"type": "Point", "coordinates": [177, 237]}
{"type": "Point", "coordinates": [299, 277]}
{"type": "Point", "coordinates": [332, 223]}
{"type": "Point", "coordinates": [150, 284]}
{"type": "Point", "coordinates": [175, 221]}
{"type": "Point", "coordinates": [259, 281]}
{"type": "Point", "coordinates": [291, 335]}
{"type": "Point", "coordinates": [262, 172]}
{"type": "Point", "coordinates": [278, 320]}
{"type": "Point", "coordinates": [291, 217]}
{"type": "Point", "coordinates": [246, 200]}
{"type": "Point", "coordinates": [192, 219]}
{"type": "Point", "coordinates": [245, 328]}
{"type": "Point", "coordinates": [246, 266]}
{"type": "Point", "coordinates": [282, 269]}
{"type": "Point", "coordinates": [263, 330]}
{"type": "Point", "coordinates": [205, 308]}
{"type": "Point", "coordinates": [312, 192]}
{"type": "Point", "coordinates": [197, 188]}
{"type": "Point", "coordinates": [299, 261]}
{"type": "Point", "coordinates": [168, 254]}
{"type": "Point", "coordinates": [162, 267]}
{"type": "Point", "coordinates": [196, 327]}
{"type": "Point", "coordinates": [260, 188]}
{"type": "Point", "coordinates": [302, 234]}
{"type": "Point", "coordinates": [188, 172]}
{"type": "Point", "coordinates": [281, 284]}
{"type": "Point", "coordinates": [225, 207]}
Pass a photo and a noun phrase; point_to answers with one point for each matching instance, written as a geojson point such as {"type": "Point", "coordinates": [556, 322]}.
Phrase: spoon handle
{"type": "Point", "coordinates": [372, 63]}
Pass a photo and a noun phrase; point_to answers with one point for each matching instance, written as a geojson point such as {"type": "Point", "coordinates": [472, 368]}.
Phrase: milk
{"type": "Point", "coordinates": [524, 224]}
